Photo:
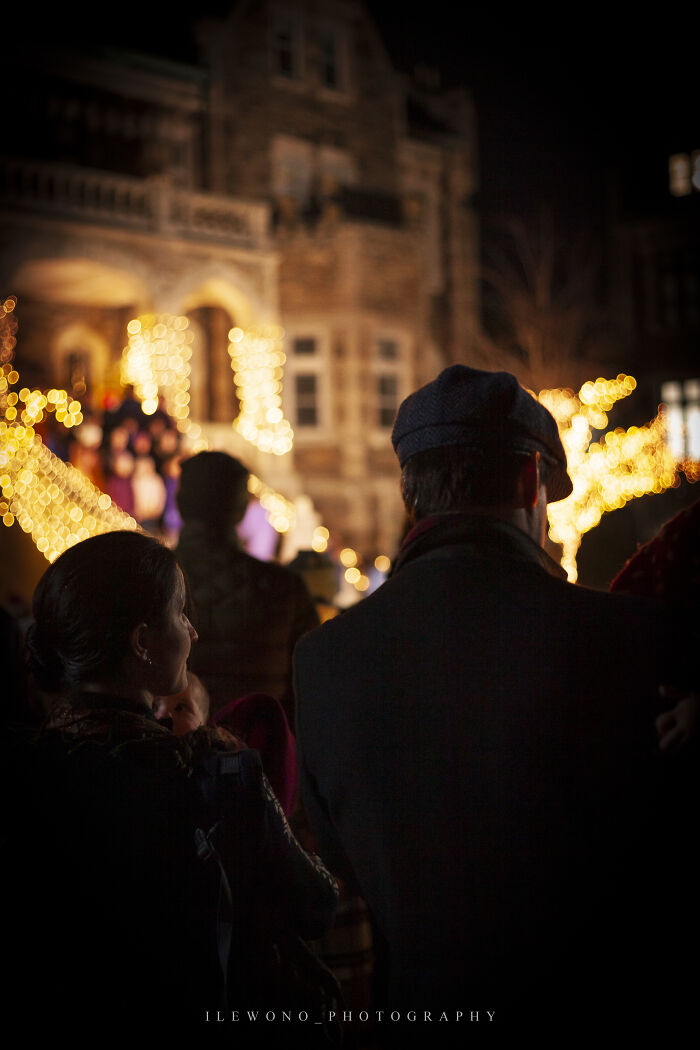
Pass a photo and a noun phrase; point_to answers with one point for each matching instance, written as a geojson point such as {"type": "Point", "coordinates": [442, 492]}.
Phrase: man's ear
{"type": "Point", "coordinates": [137, 642]}
{"type": "Point", "coordinates": [528, 484]}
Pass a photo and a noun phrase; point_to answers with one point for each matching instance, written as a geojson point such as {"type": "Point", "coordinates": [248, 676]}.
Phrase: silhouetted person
{"type": "Point", "coordinates": [115, 916]}
{"type": "Point", "coordinates": [250, 614]}
{"type": "Point", "coordinates": [477, 744]}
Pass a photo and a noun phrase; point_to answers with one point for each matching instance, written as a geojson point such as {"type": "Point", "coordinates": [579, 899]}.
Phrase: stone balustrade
{"type": "Point", "coordinates": [152, 204]}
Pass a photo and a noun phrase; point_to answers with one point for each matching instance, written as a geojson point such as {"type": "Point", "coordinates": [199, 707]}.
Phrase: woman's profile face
{"type": "Point", "coordinates": [170, 642]}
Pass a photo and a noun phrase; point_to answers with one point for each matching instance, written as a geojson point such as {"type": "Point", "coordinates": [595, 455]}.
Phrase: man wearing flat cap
{"type": "Point", "coordinates": [476, 738]}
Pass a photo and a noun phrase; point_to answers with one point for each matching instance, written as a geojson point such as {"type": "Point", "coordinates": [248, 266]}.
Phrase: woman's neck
{"type": "Point", "coordinates": [119, 687]}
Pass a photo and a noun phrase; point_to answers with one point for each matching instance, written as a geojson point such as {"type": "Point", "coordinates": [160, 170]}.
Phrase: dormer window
{"type": "Point", "coordinates": [287, 52]}
{"type": "Point", "coordinates": [332, 52]}
{"type": "Point", "coordinates": [330, 71]}
{"type": "Point", "coordinates": [309, 52]}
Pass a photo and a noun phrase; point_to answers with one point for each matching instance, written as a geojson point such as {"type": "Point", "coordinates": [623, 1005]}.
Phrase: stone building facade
{"type": "Point", "coordinates": [286, 175]}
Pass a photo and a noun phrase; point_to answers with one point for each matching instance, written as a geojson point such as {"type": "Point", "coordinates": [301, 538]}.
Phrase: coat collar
{"type": "Point", "coordinates": [480, 533]}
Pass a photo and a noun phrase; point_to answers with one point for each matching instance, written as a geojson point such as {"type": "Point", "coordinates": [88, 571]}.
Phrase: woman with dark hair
{"type": "Point", "coordinates": [155, 877]}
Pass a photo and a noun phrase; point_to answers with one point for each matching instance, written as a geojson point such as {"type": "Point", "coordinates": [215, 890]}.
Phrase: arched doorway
{"type": "Point", "coordinates": [213, 392]}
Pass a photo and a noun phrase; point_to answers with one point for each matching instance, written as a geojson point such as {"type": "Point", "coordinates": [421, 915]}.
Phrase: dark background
{"type": "Point", "coordinates": [562, 102]}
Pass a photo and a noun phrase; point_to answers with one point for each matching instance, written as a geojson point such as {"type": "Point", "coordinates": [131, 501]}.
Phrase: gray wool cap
{"type": "Point", "coordinates": [483, 411]}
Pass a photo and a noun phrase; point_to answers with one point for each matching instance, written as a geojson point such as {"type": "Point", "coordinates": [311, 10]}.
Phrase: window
{"type": "Point", "coordinates": [292, 168]}
{"type": "Point", "coordinates": [387, 400]}
{"type": "Point", "coordinates": [306, 390]}
{"type": "Point", "coordinates": [682, 401]}
{"type": "Point", "coordinates": [306, 395]}
{"type": "Point", "coordinates": [388, 367]}
{"type": "Point", "coordinates": [287, 60]}
{"type": "Point", "coordinates": [388, 349]}
{"type": "Point", "coordinates": [684, 173]}
{"type": "Point", "coordinates": [305, 384]}
{"type": "Point", "coordinates": [335, 168]}
{"type": "Point", "coordinates": [330, 61]}
{"type": "Point", "coordinates": [308, 51]}
{"type": "Point", "coordinates": [677, 278]}
{"type": "Point", "coordinates": [304, 345]}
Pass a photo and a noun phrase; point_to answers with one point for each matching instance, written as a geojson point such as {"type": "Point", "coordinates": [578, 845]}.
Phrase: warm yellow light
{"type": "Point", "coordinates": [352, 575]}
{"type": "Point", "coordinates": [382, 563]}
{"type": "Point", "coordinates": [255, 360]}
{"type": "Point", "coordinates": [606, 474]}
{"type": "Point", "coordinates": [279, 511]}
{"type": "Point", "coordinates": [348, 557]}
{"type": "Point", "coordinates": [156, 361]}
{"type": "Point", "coordinates": [362, 583]}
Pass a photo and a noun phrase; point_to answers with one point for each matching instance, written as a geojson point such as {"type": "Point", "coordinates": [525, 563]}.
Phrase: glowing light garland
{"type": "Point", "coordinates": [157, 362]}
{"type": "Point", "coordinates": [50, 499]}
{"type": "Point", "coordinates": [257, 361]}
{"type": "Point", "coordinates": [280, 512]}
{"type": "Point", "coordinates": [606, 474]}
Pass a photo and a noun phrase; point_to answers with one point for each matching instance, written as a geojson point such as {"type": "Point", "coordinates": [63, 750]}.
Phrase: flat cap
{"type": "Point", "coordinates": [483, 411]}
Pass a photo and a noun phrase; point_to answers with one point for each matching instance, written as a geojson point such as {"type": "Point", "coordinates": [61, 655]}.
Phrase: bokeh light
{"type": "Point", "coordinates": [156, 362]}
{"type": "Point", "coordinates": [257, 361]}
{"type": "Point", "coordinates": [620, 466]}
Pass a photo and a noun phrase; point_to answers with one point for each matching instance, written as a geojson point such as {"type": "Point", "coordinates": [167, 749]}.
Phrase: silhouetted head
{"type": "Point", "coordinates": [213, 490]}
{"type": "Point", "coordinates": [464, 439]}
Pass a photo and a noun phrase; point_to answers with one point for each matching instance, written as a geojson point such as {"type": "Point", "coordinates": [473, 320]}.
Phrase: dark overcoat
{"type": "Point", "coordinates": [477, 750]}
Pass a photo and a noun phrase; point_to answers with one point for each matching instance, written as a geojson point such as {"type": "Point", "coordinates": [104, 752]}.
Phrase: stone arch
{"type": "Point", "coordinates": [215, 302]}
{"type": "Point", "coordinates": [67, 296]}
{"type": "Point", "coordinates": [227, 287]}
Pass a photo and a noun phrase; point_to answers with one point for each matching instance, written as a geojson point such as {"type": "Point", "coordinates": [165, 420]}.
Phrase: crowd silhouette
{"type": "Point", "coordinates": [475, 785]}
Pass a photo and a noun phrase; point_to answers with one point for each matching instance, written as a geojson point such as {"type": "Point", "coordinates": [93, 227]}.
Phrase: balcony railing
{"type": "Point", "coordinates": [152, 204]}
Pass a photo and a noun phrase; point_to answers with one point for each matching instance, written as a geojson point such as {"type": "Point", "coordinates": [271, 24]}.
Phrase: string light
{"type": "Point", "coordinates": [607, 473]}
{"type": "Point", "coordinates": [257, 361]}
{"type": "Point", "coordinates": [319, 540]}
{"type": "Point", "coordinates": [59, 506]}
{"type": "Point", "coordinates": [280, 512]}
{"type": "Point", "coordinates": [156, 362]}
{"type": "Point", "coordinates": [51, 500]}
